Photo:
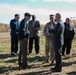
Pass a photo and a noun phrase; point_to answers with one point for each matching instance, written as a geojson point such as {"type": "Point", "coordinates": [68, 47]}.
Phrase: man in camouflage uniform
{"type": "Point", "coordinates": [49, 48]}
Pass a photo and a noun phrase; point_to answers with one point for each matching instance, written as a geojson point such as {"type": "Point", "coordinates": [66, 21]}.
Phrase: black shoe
{"type": "Point", "coordinates": [14, 54]}
{"type": "Point", "coordinates": [52, 68]}
{"type": "Point", "coordinates": [63, 55]}
{"type": "Point", "coordinates": [51, 63]}
{"type": "Point", "coordinates": [20, 64]}
{"type": "Point", "coordinates": [37, 52]}
{"type": "Point", "coordinates": [25, 67]}
{"type": "Point", "coordinates": [55, 70]}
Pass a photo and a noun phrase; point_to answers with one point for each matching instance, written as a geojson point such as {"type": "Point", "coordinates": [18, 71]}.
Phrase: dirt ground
{"type": "Point", "coordinates": [9, 64]}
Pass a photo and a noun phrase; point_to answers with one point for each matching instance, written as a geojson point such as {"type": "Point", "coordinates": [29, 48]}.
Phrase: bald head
{"type": "Point", "coordinates": [33, 17]}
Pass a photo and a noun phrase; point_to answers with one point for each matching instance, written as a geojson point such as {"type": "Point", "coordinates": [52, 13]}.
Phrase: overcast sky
{"type": "Point", "coordinates": [41, 8]}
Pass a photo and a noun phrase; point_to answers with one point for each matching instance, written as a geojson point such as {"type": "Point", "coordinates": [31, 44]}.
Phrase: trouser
{"type": "Point", "coordinates": [66, 46]}
{"type": "Point", "coordinates": [49, 48]}
{"type": "Point", "coordinates": [36, 39]}
{"type": "Point", "coordinates": [14, 43]}
{"type": "Point", "coordinates": [23, 52]}
{"type": "Point", "coordinates": [58, 57]}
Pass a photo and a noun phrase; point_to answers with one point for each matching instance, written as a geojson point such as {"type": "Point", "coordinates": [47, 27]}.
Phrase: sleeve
{"type": "Point", "coordinates": [38, 28]}
{"type": "Point", "coordinates": [12, 26]}
{"type": "Point", "coordinates": [21, 30]}
{"type": "Point", "coordinates": [44, 31]}
{"type": "Point", "coordinates": [29, 26]}
{"type": "Point", "coordinates": [72, 33]}
{"type": "Point", "coordinates": [56, 30]}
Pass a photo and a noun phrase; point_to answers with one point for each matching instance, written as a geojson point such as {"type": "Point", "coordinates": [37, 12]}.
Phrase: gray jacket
{"type": "Point", "coordinates": [33, 28]}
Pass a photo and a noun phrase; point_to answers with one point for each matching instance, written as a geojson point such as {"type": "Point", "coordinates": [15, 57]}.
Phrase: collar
{"type": "Point", "coordinates": [25, 19]}
{"type": "Point", "coordinates": [34, 21]}
{"type": "Point", "coordinates": [58, 21]}
{"type": "Point", "coordinates": [15, 19]}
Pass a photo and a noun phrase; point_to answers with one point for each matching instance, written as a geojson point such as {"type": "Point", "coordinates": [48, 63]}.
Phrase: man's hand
{"type": "Point", "coordinates": [16, 32]}
{"type": "Point", "coordinates": [46, 34]}
{"type": "Point", "coordinates": [25, 38]}
{"type": "Point", "coordinates": [35, 29]}
{"type": "Point", "coordinates": [51, 27]}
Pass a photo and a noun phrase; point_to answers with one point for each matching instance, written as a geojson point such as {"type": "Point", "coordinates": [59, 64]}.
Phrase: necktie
{"type": "Point", "coordinates": [18, 25]}
{"type": "Point", "coordinates": [26, 27]}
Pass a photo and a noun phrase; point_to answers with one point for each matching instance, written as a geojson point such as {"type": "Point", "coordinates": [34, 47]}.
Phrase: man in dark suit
{"type": "Point", "coordinates": [58, 42]}
{"type": "Point", "coordinates": [23, 37]}
{"type": "Point", "coordinates": [14, 25]}
{"type": "Point", "coordinates": [34, 27]}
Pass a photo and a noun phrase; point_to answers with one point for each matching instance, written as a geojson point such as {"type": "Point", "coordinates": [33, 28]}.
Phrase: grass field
{"type": "Point", "coordinates": [9, 64]}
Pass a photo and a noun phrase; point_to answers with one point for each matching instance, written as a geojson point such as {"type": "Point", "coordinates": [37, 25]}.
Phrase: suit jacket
{"type": "Point", "coordinates": [13, 27]}
{"type": "Point", "coordinates": [58, 32]}
{"type": "Point", "coordinates": [68, 34]}
{"type": "Point", "coordinates": [32, 27]}
{"type": "Point", "coordinates": [23, 31]}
